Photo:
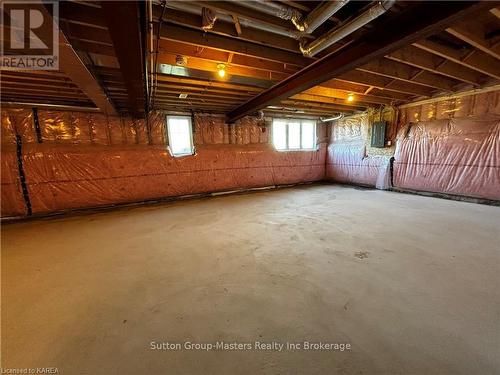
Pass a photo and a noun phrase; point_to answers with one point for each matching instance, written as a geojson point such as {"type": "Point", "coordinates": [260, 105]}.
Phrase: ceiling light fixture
{"type": "Point", "coordinates": [350, 97]}
{"type": "Point", "coordinates": [181, 60]}
{"type": "Point", "coordinates": [221, 70]}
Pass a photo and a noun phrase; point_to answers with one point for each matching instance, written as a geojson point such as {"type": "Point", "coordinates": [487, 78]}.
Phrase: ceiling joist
{"type": "Point", "coordinates": [123, 22]}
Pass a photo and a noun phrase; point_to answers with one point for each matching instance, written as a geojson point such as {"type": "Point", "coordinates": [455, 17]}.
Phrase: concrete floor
{"type": "Point", "coordinates": [410, 282]}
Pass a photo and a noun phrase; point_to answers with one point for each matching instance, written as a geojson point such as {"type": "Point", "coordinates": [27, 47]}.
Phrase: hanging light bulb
{"type": "Point", "coordinates": [221, 70]}
{"type": "Point", "coordinates": [350, 97]}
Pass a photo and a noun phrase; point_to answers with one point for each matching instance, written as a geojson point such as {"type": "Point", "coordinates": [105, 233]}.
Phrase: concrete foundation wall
{"type": "Point", "coordinates": [447, 146]}
{"type": "Point", "coordinates": [84, 159]}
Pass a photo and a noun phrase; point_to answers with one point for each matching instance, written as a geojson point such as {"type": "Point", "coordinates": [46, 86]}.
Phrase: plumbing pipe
{"type": "Point", "coordinates": [227, 17]}
{"type": "Point", "coordinates": [341, 32]}
{"type": "Point", "coordinates": [332, 118]}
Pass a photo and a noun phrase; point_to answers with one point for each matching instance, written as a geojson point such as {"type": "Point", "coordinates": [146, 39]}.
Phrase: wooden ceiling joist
{"type": "Point", "coordinates": [81, 13]}
{"type": "Point", "coordinates": [393, 69]}
{"type": "Point", "coordinates": [230, 58]}
{"type": "Point", "coordinates": [470, 33]}
{"type": "Point", "coordinates": [210, 84]}
{"type": "Point", "coordinates": [438, 47]}
{"type": "Point", "coordinates": [123, 22]}
{"type": "Point", "coordinates": [339, 103]}
{"type": "Point", "coordinates": [322, 91]}
{"type": "Point", "coordinates": [87, 33]}
{"type": "Point", "coordinates": [34, 80]}
{"type": "Point", "coordinates": [191, 90]}
{"type": "Point", "coordinates": [424, 60]}
{"type": "Point", "coordinates": [385, 83]}
{"type": "Point", "coordinates": [472, 59]}
{"type": "Point", "coordinates": [73, 67]}
{"type": "Point", "coordinates": [423, 20]}
{"type": "Point", "coordinates": [199, 38]}
{"type": "Point", "coordinates": [231, 69]}
{"type": "Point", "coordinates": [495, 12]}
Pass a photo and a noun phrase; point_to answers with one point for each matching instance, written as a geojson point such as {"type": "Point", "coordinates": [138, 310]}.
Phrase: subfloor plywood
{"type": "Point", "coordinates": [410, 282]}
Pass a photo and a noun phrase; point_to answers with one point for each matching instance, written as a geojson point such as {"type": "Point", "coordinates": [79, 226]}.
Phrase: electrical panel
{"type": "Point", "coordinates": [378, 134]}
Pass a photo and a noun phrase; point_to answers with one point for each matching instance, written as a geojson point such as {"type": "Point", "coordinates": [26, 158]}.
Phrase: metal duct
{"type": "Point", "coordinates": [273, 9]}
{"type": "Point", "coordinates": [320, 14]}
{"type": "Point", "coordinates": [191, 8]}
{"type": "Point", "coordinates": [308, 25]}
{"type": "Point", "coordinates": [341, 32]}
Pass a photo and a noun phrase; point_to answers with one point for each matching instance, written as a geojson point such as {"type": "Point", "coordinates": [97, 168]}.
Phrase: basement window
{"type": "Point", "coordinates": [294, 135]}
{"type": "Point", "coordinates": [180, 135]}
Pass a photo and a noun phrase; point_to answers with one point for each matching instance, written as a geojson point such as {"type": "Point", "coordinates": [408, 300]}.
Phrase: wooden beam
{"type": "Point", "coordinates": [198, 38]}
{"type": "Point", "coordinates": [211, 66]}
{"type": "Point", "coordinates": [218, 56]}
{"type": "Point", "coordinates": [327, 100]}
{"type": "Point", "coordinates": [91, 47]}
{"type": "Point", "coordinates": [35, 100]}
{"type": "Point", "coordinates": [496, 12]}
{"type": "Point", "coordinates": [416, 23]}
{"type": "Point", "coordinates": [473, 59]}
{"type": "Point", "coordinates": [237, 25]}
{"type": "Point", "coordinates": [322, 91]}
{"type": "Point", "coordinates": [200, 99]}
{"type": "Point", "coordinates": [81, 13]}
{"type": "Point", "coordinates": [316, 107]}
{"type": "Point", "coordinates": [202, 90]}
{"type": "Point", "coordinates": [73, 67]}
{"type": "Point", "coordinates": [86, 33]}
{"type": "Point", "coordinates": [34, 80]}
{"type": "Point", "coordinates": [469, 34]}
{"type": "Point", "coordinates": [443, 98]}
{"type": "Point", "coordinates": [42, 88]}
{"type": "Point", "coordinates": [404, 72]}
{"type": "Point", "coordinates": [385, 83]}
{"type": "Point", "coordinates": [358, 88]}
{"type": "Point", "coordinates": [395, 96]}
{"type": "Point", "coordinates": [208, 84]}
{"type": "Point", "coordinates": [424, 60]}
{"type": "Point", "coordinates": [123, 22]}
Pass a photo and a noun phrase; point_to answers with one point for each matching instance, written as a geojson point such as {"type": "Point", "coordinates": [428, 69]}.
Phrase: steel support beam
{"type": "Point", "coordinates": [416, 23]}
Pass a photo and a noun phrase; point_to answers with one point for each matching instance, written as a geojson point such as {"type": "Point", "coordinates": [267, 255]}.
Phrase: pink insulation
{"type": "Point", "coordinates": [88, 159]}
{"type": "Point", "coordinates": [69, 177]}
{"type": "Point", "coordinates": [347, 160]}
{"type": "Point", "coordinates": [12, 198]}
{"type": "Point", "coordinates": [454, 156]}
{"type": "Point", "coordinates": [348, 163]}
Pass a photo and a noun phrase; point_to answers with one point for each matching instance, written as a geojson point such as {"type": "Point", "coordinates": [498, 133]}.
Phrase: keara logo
{"type": "Point", "coordinates": [30, 35]}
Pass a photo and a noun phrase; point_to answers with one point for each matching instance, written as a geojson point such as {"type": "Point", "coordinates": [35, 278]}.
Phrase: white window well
{"type": "Point", "coordinates": [180, 135]}
{"type": "Point", "coordinates": [292, 135]}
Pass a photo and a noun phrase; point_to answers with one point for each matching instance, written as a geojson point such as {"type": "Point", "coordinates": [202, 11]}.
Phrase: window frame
{"type": "Point", "coordinates": [191, 142]}
{"type": "Point", "coordinates": [300, 121]}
